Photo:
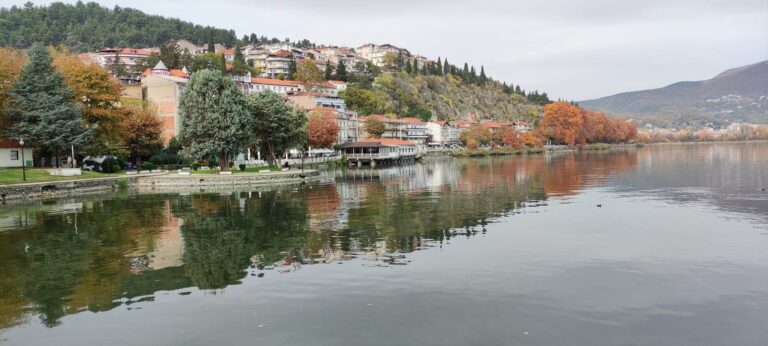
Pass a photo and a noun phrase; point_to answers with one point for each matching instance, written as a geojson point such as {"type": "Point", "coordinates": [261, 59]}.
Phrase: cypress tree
{"type": "Point", "coordinates": [215, 118]}
{"type": "Point", "coordinates": [211, 45]}
{"type": "Point", "coordinates": [472, 75]}
{"type": "Point", "coordinates": [292, 69]}
{"type": "Point", "coordinates": [465, 72]}
{"type": "Point", "coordinates": [341, 71]}
{"type": "Point", "coordinates": [415, 67]}
{"type": "Point", "coordinates": [439, 67]}
{"type": "Point", "coordinates": [223, 62]}
{"type": "Point", "coordinates": [483, 78]}
{"type": "Point", "coordinates": [328, 71]}
{"type": "Point", "coordinates": [44, 111]}
{"type": "Point", "coordinates": [408, 68]}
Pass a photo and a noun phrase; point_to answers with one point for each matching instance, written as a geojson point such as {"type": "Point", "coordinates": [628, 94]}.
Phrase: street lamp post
{"type": "Point", "coordinates": [23, 162]}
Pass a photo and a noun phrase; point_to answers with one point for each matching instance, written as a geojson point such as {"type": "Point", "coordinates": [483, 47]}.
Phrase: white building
{"type": "Point", "coordinates": [283, 87]}
{"type": "Point", "coordinates": [10, 154]}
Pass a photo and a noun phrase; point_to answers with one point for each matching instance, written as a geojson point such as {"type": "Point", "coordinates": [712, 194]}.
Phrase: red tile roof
{"type": "Point", "coordinates": [387, 141]}
{"type": "Point", "coordinates": [173, 73]}
{"type": "Point", "coordinates": [412, 120]}
{"type": "Point", "coordinates": [268, 81]}
{"type": "Point", "coordinates": [9, 143]}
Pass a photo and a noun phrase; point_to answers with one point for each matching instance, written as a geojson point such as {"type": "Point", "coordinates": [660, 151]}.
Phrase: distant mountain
{"type": "Point", "coordinates": [736, 95]}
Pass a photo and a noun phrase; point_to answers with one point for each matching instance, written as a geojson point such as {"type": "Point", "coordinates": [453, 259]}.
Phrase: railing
{"type": "Point", "coordinates": [376, 156]}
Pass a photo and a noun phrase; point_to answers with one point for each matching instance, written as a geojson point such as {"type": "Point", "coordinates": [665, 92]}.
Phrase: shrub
{"type": "Point", "coordinates": [164, 159]}
{"type": "Point", "coordinates": [147, 166]}
{"type": "Point", "coordinates": [195, 166]}
{"type": "Point", "coordinates": [110, 165]}
{"type": "Point", "coordinates": [122, 183]}
{"type": "Point", "coordinates": [172, 167]}
{"type": "Point", "coordinates": [231, 164]}
{"type": "Point", "coordinates": [211, 164]}
{"type": "Point", "coordinates": [241, 166]}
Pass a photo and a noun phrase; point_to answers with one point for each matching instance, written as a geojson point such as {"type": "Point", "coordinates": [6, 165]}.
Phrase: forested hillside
{"type": "Point", "coordinates": [89, 27]}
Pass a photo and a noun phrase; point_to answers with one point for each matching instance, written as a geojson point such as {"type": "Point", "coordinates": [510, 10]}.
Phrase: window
{"type": "Point", "coordinates": [14, 154]}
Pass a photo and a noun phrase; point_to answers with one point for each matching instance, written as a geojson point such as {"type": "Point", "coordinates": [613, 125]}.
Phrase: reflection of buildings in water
{"type": "Point", "coordinates": [19, 218]}
{"type": "Point", "coordinates": [166, 248]}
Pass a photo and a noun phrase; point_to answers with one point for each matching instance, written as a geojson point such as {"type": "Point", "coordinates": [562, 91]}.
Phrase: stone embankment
{"type": "Point", "coordinates": [234, 180]}
{"type": "Point", "coordinates": [152, 181]}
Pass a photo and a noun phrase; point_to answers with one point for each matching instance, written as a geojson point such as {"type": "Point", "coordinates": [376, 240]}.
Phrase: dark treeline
{"type": "Point", "coordinates": [89, 26]}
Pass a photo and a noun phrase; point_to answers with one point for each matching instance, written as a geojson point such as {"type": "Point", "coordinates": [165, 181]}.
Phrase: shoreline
{"type": "Point", "coordinates": [159, 181]}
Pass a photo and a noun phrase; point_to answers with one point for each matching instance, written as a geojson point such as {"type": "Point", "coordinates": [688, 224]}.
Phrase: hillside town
{"type": "Point", "coordinates": [163, 86]}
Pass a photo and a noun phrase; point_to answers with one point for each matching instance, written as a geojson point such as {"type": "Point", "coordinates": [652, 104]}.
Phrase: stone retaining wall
{"type": "Point", "coordinates": [61, 188]}
{"type": "Point", "coordinates": [161, 181]}
{"type": "Point", "coordinates": [213, 180]}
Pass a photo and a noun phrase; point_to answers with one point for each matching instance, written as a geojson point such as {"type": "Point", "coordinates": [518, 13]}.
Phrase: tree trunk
{"type": "Point", "coordinates": [271, 148]}
{"type": "Point", "coordinates": [224, 161]}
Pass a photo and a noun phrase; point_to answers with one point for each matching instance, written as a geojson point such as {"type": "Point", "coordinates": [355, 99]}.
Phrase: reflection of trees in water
{"type": "Point", "coordinates": [69, 262]}
{"type": "Point", "coordinates": [218, 245]}
{"type": "Point", "coordinates": [86, 260]}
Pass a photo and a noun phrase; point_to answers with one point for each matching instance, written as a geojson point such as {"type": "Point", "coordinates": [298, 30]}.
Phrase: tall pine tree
{"type": "Point", "coordinates": [483, 78]}
{"type": "Point", "coordinates": [439, 67]}
{"type": "Point", "coordinates": [44, 111]}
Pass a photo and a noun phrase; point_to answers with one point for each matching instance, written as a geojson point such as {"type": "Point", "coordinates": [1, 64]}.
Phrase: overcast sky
{"type": "Point", "coordinates": [570, 49]}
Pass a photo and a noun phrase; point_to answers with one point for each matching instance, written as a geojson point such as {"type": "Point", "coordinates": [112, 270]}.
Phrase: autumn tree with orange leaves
{"type": "Point", "coordinates": [322, 130]}
{"type": "Point", "coordinates": [99, 94]}
{"type": "Point", "coordinates": [567, 124]}
{"type": "Point", "coordinates": [562, 122]}
{"type": "Point", "coordinates": [11, 63]}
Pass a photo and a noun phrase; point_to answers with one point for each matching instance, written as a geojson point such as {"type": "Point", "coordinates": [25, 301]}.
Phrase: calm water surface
{"type": "Point", "coordinates": [501, 251]}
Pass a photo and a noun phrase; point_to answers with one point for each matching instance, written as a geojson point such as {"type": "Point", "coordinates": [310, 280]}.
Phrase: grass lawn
{"type": "Point", "coordinates": [14, 176]}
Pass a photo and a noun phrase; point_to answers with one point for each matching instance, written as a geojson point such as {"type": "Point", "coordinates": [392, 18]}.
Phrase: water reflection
{"type": "Point", "coordinates": [97, 253]}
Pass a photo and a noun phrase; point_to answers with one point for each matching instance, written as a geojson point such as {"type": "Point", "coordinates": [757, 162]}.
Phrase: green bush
{"type": "Point", "coordinates": [147, 166]}
{"type": "Point", "coordinates": [165, 159]}
{"type": "Point", "coordinates": [211, 164]}
{"type": "Point", "coordinates": [195, 166]}
{"type": "Point", "coordinates": [241, 166]}
{"type": "Point", "coordinates": [172, 167]}
{"type": "Point", "coordinates": [122, 183]}
{"type": "Point", "coordinates": [110, 165]}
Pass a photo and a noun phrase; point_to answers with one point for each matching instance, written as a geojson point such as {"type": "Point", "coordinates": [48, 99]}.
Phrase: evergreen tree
{"type": "Point", "coordinates": [223, 63]}
{"type": "Point", "coordinates": [483, 78]}
{"type": "Point", "coordinates": [439, 67]}
{"type": "Point", "coordinates": [472, 75]}
{"type": "Point", "coordinates": [329, 71]}
{"type": "Point", "coordinates": [239, 67]}
{"type": "Point", "coordinates": [465, 72]}
{"type": "Point", "coordinates": [415, 67]}
{"type": "Point", "coordinates": [408, 68]}
{"type": "Point", "coordinates": [341, 71]}
{"type": "Point", "coordinates": [211, 45]}
{"type": "Point", "coordinates": [400, 62]}
{"type": "Point", "coordinates": [44, 112]}
{"type": "Point", "coordinates": [292, 69]}
{"type": "Point", "coordinates": [278, 127]}
{"type": "Point", "coordinates": [518, 90]}
{"type": "Point", "coordinates": [215, 118]}
{"type": "Point", "coordinates": [170, 55]}
{"type": "Point", "coordinates": [446, 67]}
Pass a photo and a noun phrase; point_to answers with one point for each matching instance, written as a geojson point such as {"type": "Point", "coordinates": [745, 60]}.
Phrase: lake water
{"type": "Point", "coordinates": [662, 245]}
